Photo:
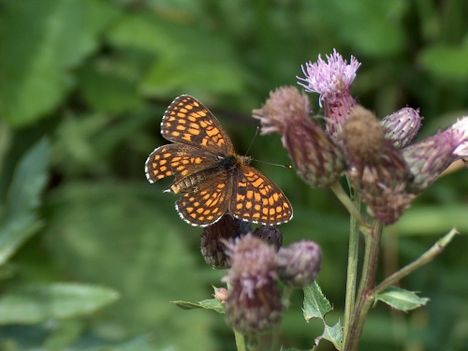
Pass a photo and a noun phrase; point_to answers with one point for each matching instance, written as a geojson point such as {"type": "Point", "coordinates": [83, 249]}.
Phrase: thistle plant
{"type": "Point", "coordinates": [384, 170]}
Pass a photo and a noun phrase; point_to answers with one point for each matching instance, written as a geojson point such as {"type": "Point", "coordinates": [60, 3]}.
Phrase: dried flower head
{"type": "Point", "coordinates": [283, 107]}
{"type": "Point", "coordinates": [363, 136]}
{"type": "Point", "coordinates": [256, 312]}
{"type": "Point", "coordinates": [332, 79]}
{"type": "Point", "coordinates": [269, 234]}
{"type": "Point", "coordinates": [251, 256]}
{"type": "Point", "coordinates": [390, 204]}
{"type": "Point", "coordinates": [214, 237]}
{"type": "Point", "coordinates": [299, 263]}
{"type": "Point", "coordinates": [316, 157]}
{"type": "Point", "coordinates": [428, 158]}
{"type": "Point", "coordinates": [318, 160]}
{"type": "Point", "coordinates": [375, 167]}
{"type": "Point", "coordinates": [402, 126]}
{"type": "Point", "coordinates": [253, 303]}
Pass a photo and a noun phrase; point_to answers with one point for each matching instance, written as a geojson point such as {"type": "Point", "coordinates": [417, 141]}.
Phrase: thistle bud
{"type": "Point", "coordinates": [317, 159]}
{"type": "Point", "coordinates": [375, 167]}
{"type": "Point", "coordinates": [299, 263]}
{"type": "Point", "coordinates": [332, 79]}
{"type": "Point", "coordinates": [402, 126]}
{"type": "Point", "coordinates": [213, 238]}
{"type": "Point", "coordinates": [284, 106]}
{"type": "Point", "coordinates": [269, 234]}
{"type": "Point", "coordinates": [428, 158]}
{"type": "Point", "coordinates": [253, 303]}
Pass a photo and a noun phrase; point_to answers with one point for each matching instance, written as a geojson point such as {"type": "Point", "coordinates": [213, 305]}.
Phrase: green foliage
{"type": "Point", "coordinates": [209, 304]}
{"type": "Point", "coordinates": [55, 36]}
{"type": "Point", "coordinates": [83, 85]}
{"type": "Point", "coordinates": [447, 62]}
{"type": "Point", "coordinates": [135, 256]}
{"type": "Point", "coordinates": [401, 299]}
{"type": "Point", "coordinates": [36, 304]}
{"type": "Point", "coordinates": [316, 305]}
{"type": "Point", "coordinates": [18, 217]}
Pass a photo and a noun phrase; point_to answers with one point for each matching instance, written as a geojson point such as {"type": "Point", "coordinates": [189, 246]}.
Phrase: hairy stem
{"type": "Point", "coordinates": [425, 258]}
{"type": "Point", "coordinates": [351, 275]}
{"type": "Point", "coordinates": [366, 286]}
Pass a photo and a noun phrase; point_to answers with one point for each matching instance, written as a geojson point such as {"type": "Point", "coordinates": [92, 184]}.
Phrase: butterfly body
{"type": "Point", "coordinates": [210, 177]}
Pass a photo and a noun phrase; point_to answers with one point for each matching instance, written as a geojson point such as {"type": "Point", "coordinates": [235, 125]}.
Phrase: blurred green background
{"type": "Point", "coordinates": [83, 86]}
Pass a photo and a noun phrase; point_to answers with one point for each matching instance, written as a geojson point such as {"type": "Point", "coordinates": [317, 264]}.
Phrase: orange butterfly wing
{"type": "Point", "coordinates": [257, 199]}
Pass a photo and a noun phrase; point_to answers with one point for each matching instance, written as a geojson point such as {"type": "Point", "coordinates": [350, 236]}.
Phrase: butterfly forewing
{"type": "Point", "coordinates": [257, 199]}
{"type": "Point", "coordinates": [177, 160]}
{"type": "Point", "coordinates": [187, 121]}
{"type": "Point", "coordinates": [208, 203]}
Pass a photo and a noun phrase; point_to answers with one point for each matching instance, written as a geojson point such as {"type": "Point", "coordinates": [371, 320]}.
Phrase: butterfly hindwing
{"type": "Point", "coordinates": [187, 121]}
{"type": "Point", "coordinates": [177, 160]}
{"type": "Point", "coordinates": [208, 202]}
{"type": "Point", "coordinates": [257, 199]}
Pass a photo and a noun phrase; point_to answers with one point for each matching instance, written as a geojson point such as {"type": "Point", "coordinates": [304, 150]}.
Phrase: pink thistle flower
{"type": "Point", "coordinates": [331, 79]}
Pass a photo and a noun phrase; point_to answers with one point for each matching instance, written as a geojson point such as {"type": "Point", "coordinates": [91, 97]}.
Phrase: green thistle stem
{"type": "Point", "coordinates": [351, 281]}
{"type": "Point", "coordinates": [240, 341]}
{"type": "Point", "coordinates": [364, 300]}
{"type": "Point", "coordinates": [349, 205]}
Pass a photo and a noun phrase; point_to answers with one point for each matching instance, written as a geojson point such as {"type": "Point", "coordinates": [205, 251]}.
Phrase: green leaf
{"type": "Point", "coordinates": [315, 303]}
{"type": "Point", "coordinates": [334, 334]}
{"type": "Point", "coordinates": [40, 303]}
{"type": "Point", "coordinates": [401, 299]}
{"type": "Point", "coordinates": [449, 62]}
{"type": "Point", "coordinates": [19, 219]}
{"type": "Point", "coordinates": [55, 36]}
{"type": "Point", "coordinates": [209, 304]}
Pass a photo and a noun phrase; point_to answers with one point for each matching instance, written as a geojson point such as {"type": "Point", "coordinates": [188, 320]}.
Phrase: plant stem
{"type": "Point", "coordinates": [351, 275]}
{"type": "Point", "coordinates": [366, 286]}
{"type": "Point", "coordinates": [348, 204]}
{"type": "Point", "coordinates": [240, 341]}
{"type": "Point", "coordinates": [426, 257]}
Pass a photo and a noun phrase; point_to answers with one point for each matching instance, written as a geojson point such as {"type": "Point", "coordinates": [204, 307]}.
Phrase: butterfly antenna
{"type": "Point", "coordinates": [273, 164]}
{"type": "Point", "coordinates": [257, 130]}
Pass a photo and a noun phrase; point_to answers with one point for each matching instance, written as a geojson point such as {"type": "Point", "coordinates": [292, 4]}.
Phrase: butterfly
{"type": "Point", "coordinates": [210, 177]}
